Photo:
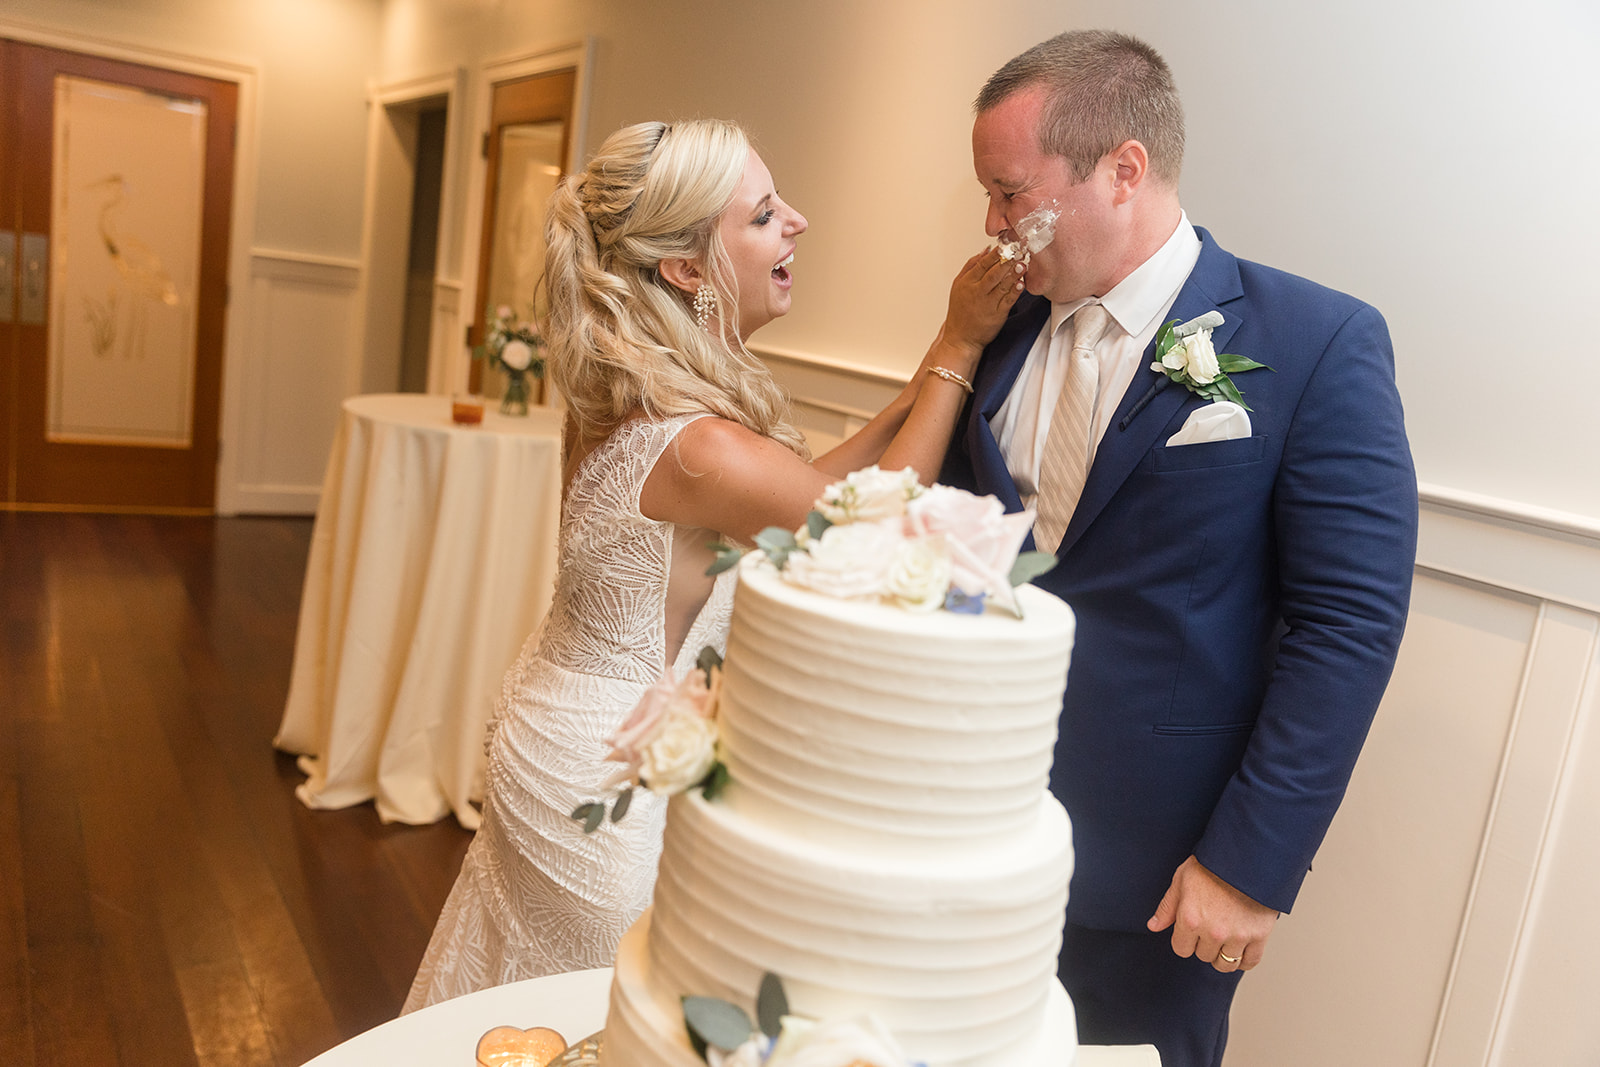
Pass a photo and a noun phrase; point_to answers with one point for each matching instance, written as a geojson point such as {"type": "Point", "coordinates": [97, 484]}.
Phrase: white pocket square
{"type": "Point", "coordinates": [1220, 420]}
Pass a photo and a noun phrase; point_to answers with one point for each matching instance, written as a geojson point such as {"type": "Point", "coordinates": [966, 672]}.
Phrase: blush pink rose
{"type": "Point", "coordinates": [667, 699]}
{"type": "Point", "coordinates": [983, 540]}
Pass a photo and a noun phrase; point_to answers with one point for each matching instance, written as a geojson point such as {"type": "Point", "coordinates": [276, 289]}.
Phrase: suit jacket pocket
{"type": "Point", "coordinates": [1207, 454]}
{"type": "Point", "coordinates": [1203, 729]}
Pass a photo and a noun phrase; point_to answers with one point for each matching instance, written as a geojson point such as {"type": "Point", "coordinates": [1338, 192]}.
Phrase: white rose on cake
{"type": "Point", "coordinates": [919, 577]}
{"type": "Point", "coordinates": [680, 755]}
{"type": "Point", "coordinates": [669, 733]}
{"type": "Point", "coordinates": [868, 495]}
{"type": "Point", "coordinates": [861, 1042]}
{"type": "Point", "coordinates": [847, 561]}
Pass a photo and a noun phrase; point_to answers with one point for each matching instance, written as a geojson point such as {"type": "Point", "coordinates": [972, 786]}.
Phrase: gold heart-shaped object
{"type": "Point", "coordinates": [506, 1046]}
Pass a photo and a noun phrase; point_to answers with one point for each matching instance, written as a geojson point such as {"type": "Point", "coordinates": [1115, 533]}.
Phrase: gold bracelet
{"type": "Point", "coordinates": [950, 376]}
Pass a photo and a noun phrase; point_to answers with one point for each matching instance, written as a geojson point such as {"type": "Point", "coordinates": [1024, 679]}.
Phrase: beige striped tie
{"type": "Point", "coordinates": [1065, 463]}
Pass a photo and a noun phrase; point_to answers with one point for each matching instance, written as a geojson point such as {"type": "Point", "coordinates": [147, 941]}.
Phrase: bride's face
{"type": "Point", "coordinates": [758, 230]}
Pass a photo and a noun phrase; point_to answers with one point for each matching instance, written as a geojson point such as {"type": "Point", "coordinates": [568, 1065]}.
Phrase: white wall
{"type": "Point", "coordinates": [1434, 158]}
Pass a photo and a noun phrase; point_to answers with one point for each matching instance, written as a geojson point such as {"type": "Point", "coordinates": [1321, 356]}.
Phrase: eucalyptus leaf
{"type": "Point", "coordinates": [590, 814]}
{"type": "Point", "coordinates": [775, 537]}
{"type": "Point", "coordinates": [726, 557]}
{"type": "Point", "coordinates": [715, 781]}
{"type": "Point", "coordinates": [708, 660]}
{"type": "Point", "coordinates": [620, 808]}
{"type": "Point", "coordinates": [716, 1022]}
{"type": "Point", "coordinates": [1030, 565]}
{"type": "Point", "coordinates": [772, 1004]}
{"type": "Point", "coordinates": [817, 524]}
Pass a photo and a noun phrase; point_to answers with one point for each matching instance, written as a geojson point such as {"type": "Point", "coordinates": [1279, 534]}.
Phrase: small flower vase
{"type": "Point", "coordinates": [515, 401]}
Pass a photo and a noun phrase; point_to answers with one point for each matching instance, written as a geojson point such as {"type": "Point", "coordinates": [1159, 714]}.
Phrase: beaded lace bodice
{"type": "Point", "coordinates": [611, 591]}
{"type": "Point", "coordinates": [536, 895]}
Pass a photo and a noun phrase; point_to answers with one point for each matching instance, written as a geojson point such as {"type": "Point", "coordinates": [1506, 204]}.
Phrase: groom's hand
{"type": "Point", "coordinates": [1212, 920]}
{"type": "Point", "coordinates": [980, 298]}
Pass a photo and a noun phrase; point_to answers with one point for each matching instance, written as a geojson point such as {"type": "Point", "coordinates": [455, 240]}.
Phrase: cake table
{"type": "Point", "coordinates": [574, 1004]}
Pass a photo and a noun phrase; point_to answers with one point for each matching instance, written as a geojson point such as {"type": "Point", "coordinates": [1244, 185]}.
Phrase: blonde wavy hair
{"type": "Point", "coordinates": [621, 338]}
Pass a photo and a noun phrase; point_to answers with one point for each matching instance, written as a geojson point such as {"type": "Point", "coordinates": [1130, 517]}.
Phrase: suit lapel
{"type": "Point", "coordinates": [1002, 362]}
{"type": "Point", "coordinates": [1141, 418]}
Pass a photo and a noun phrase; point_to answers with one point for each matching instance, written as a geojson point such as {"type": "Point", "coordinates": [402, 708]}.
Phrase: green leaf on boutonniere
{"type": "Point", "coordinates": [620, 808]}
{"type": "Point", "coordinates": [715, 1022]}
{"type": "Point", "coordinates": [727, 555]}
{"type": "Point", "coordinates": [1029, 565]}
{"type": "Point", "coordinates": [1232, 364]}
{"type": "Point", "coordinates": [1224, 389]}
{"type": "Point", "coordinates": [772, 1004]}
{"type": "Point", "coordinates": [817, 524]}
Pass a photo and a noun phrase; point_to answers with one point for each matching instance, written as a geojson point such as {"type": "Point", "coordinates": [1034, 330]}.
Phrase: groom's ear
{"type": "Point", "coordinates": [1130, 163]}
{"type": "Point", "coordinates": [681, 274]}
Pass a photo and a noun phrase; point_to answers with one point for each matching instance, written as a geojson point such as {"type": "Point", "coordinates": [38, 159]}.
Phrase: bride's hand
{"type": "Point", "coordinates": [980, 298]}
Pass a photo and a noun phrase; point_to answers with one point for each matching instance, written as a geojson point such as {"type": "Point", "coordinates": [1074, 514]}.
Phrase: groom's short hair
{"type": "Point", "coordinates": [1101, 88]}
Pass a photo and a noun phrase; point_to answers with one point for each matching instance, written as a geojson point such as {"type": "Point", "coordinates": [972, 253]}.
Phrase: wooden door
{"type": "Point", "coordinates": [530, 131]}
{"type": "Point", "coordinates": [116, 185]}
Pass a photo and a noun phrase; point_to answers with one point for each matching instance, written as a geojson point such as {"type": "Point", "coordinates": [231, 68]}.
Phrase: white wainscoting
{"type": "Point", "coordinates": [300, 360]}
{"type": "Point", "coordinates": [1449, 918]}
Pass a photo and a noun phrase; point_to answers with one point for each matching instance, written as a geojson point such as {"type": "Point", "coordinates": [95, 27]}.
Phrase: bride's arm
{"type": "Point", "coordinates": [914, 429]}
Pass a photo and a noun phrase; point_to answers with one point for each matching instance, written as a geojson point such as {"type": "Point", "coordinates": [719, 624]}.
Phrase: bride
{"type": "Point", "coordinates": [664, 255]}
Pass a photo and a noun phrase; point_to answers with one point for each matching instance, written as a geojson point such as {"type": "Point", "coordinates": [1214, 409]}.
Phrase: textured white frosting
{"type": "Point", "coordinates": [899, 730]}
{"type": "Point", "coordinates": [887, 843]}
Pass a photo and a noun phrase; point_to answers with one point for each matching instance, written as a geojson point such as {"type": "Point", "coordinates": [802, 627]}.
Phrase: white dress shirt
{"type": "Point", "coordinates": [1138, 305]}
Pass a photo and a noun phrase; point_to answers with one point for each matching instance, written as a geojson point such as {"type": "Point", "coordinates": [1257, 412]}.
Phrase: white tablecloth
{"type": "Point", "coordinates": [432, 559]}
{"type": "Point", "coordinates": [574, 1005]}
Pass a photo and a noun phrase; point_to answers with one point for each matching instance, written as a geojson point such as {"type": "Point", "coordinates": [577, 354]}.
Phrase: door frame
{"type": "Point", "coordinates": [387, 175]}
{"type": "Point", "coordinates": [241, 224]}
{"type": "Point", "coordinates": [464, 248]}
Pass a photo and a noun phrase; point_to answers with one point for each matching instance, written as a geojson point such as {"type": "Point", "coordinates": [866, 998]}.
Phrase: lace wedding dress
{"type": "Point", "coordinates": [536, 895]}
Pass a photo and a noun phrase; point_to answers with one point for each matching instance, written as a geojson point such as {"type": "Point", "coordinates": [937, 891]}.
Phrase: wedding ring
{"type": "Point", "coordinates": [1228, 958]}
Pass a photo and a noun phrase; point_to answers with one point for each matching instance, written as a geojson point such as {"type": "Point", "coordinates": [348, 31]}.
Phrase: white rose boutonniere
{"type": "Point", "coordinates": [1185, 354]}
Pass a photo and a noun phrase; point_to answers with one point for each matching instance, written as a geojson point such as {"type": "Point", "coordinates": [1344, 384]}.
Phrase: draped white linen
{"type": "Point", "coordinates": [432, 559]}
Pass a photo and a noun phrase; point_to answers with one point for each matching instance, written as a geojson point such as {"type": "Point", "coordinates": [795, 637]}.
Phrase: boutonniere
{"type": "Point", "coordinates": [1184, 354]}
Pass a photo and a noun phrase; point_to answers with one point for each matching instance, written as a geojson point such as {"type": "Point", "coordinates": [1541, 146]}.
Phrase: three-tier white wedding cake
{"type": "Point", "coordinates": [886, 845]}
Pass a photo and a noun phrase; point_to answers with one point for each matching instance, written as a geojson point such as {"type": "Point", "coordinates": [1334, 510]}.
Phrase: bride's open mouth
{"type": "Point", "coordinates": [781, 271]}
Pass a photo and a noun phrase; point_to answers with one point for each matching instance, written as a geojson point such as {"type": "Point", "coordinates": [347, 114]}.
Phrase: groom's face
{"type": "Point", "coordinates": [1019, 178]}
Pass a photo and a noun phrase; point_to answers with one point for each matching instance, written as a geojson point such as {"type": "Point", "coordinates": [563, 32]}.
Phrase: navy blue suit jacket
{"type": "Point", "coordinates": [1239, 603]}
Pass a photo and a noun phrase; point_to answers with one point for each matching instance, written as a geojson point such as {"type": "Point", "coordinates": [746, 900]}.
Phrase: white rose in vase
{"type": "Point", "coordinates": [517, 355]}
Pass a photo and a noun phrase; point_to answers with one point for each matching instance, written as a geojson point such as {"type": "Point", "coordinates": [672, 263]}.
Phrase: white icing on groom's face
{"type": "Point", "coordinates": [1021, 179]}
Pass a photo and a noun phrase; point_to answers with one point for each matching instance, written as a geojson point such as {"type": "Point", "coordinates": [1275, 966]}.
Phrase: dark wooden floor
{"type": "Point", "coordinates": [164, 899]}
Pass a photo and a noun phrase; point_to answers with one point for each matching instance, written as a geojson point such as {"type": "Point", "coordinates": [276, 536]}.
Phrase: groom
{"type": "Point", "coordinates": [1240, 574]}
